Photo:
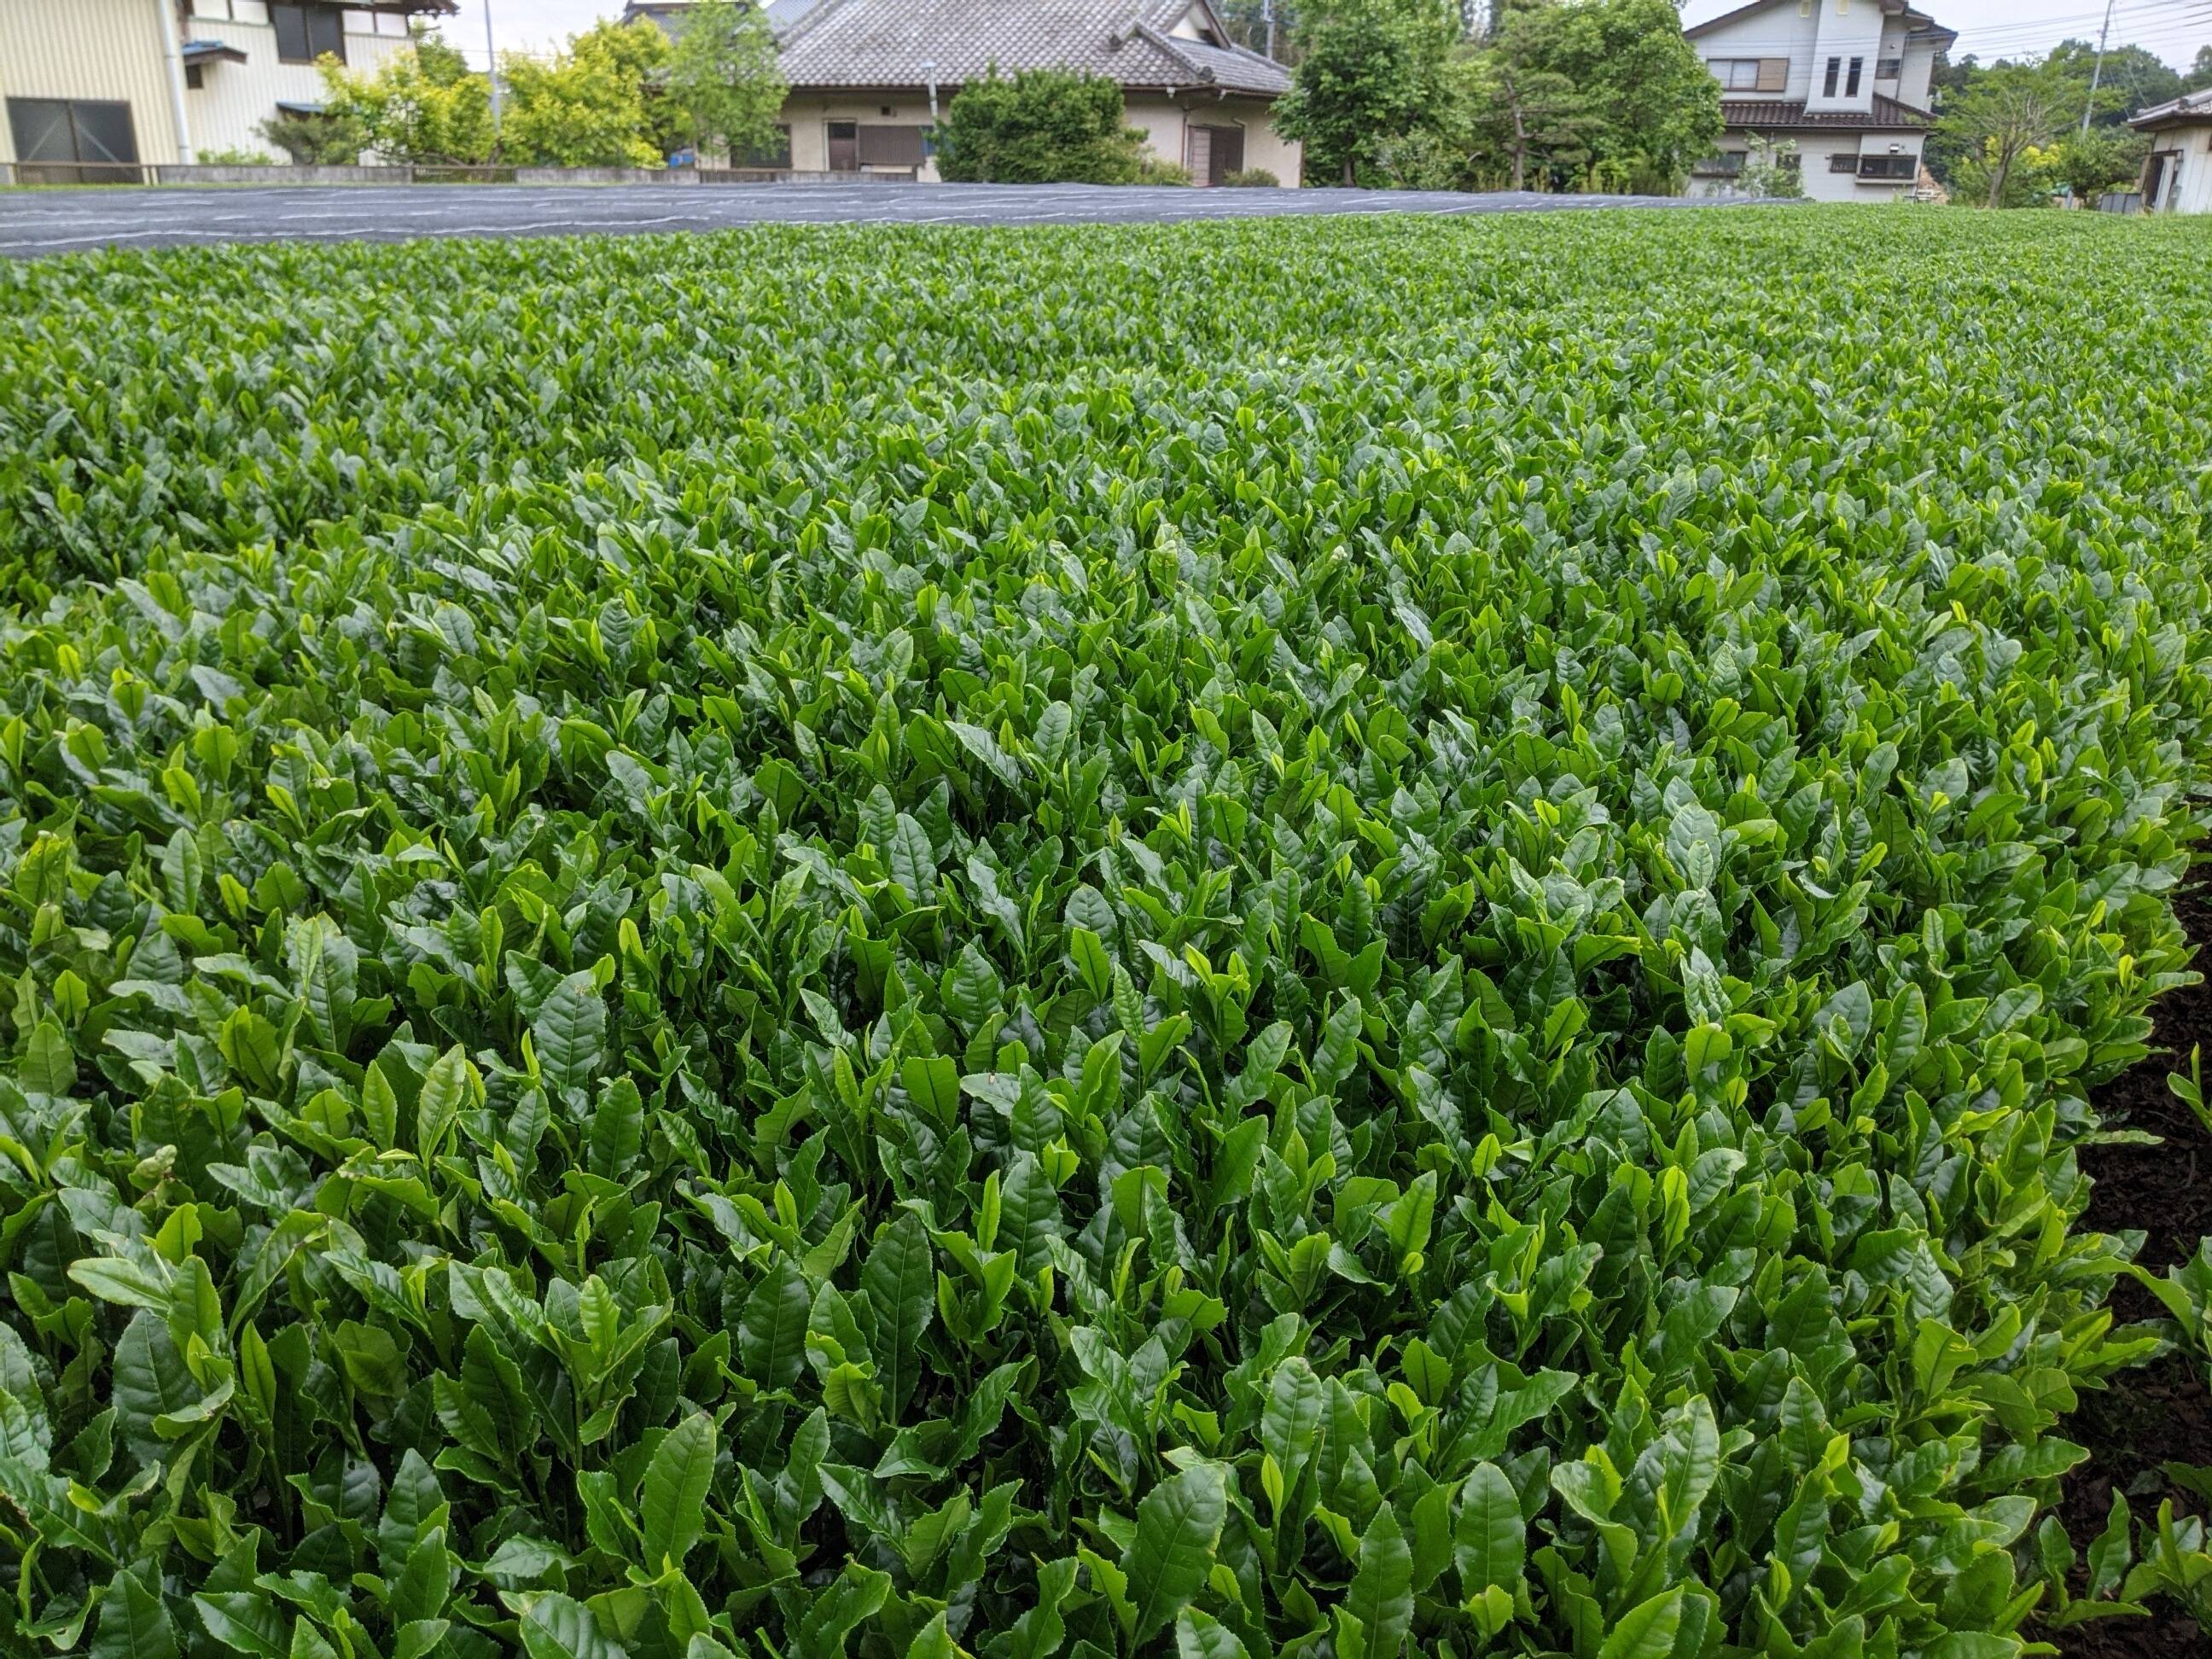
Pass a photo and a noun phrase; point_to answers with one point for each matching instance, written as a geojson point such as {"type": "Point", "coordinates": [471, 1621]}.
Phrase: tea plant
{"type": "Point", "coordinates": [1326, 938]}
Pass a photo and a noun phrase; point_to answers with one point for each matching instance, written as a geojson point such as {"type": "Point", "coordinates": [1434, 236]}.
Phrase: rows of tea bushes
{"type": "Point", "coordinates": [1329, 940]}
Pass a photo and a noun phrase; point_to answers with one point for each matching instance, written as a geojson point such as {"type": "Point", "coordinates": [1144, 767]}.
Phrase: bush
{"type": "Point", "coordinates": [1313, 938]}
{"type": "Point", "coordinates": [320, 138]}
{"type": "Point", "coordinates": [1041, 126]}
{"type": "Point", "coordinates": [1250, 179]}
{"type": "Point", "coordinates": [235, 158]}
{"type": "Point", "coordinates": [1151, 170]}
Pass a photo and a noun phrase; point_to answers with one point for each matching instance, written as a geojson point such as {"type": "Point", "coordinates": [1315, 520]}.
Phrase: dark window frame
{"type": "Point", "coordinates": [1889, 68]}
{"type": "Point", "coordinates": [309, 29]}
{"type": "Point", "coordinates": [1889, 170]}
{"type": "Point", "coordinates": [1852, 77]}
{"type": "Point", "coordinates": [1835, 73]}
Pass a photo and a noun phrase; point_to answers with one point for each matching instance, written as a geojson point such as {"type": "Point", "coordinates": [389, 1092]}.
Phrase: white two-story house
{"type": "Point", "coordinates": [1846, 80]}
{"type": "Point", "coordinates": [94, 91]}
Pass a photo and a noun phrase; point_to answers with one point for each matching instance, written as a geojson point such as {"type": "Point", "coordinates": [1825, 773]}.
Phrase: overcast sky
{"type": "Point", "coordinates": [1993, 29]}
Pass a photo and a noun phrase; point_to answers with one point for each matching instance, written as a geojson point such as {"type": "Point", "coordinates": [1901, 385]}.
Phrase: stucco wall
{"type": "Point", "coordinates": [1167, 122]}
{"type": "Point", "coordinates": [107, 49]}
{"type": "Point", "coordinates": [808, 114]}
{"type": "Point", "coordinates": [1162, 121]}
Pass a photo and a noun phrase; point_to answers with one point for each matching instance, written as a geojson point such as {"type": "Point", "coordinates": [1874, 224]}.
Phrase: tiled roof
{"type": "Point", "coordinates": [2186, 110]}
{"type": "Point", "coordinates": [883, 43]}
{"type": "Point", "coordinates": [1790, 115]}
{"type": "Point", "coordinates": [204, 52]}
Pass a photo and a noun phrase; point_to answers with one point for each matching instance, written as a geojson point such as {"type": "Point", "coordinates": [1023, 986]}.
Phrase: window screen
{"type": "Point", "coordinates": [890, 147]}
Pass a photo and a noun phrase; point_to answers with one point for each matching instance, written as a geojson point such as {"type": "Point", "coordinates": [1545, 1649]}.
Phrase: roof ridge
{"type": "Point", "coordinates": [1174, 48]}
{"type": "Point", "coordinates": [808, 19]}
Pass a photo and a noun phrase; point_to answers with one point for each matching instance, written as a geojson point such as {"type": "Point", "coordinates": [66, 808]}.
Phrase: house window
{"type": "Point", "coordinates": [305, 32]}
{"type": "Point", "coordinates": [1889, 167]}
{"type": "Point", "coordinates": [890, 147]}
{"type": "Point", "coordinates": [1842, 162]}
{"type": "Point", "coordinates": [193, 77]}
{"type": "Point", "coordinates": [1851, 83]}
{"type": "Point", "coordinates": [1751, 74]}
{"type": "Point", "coordinates": [1888, 69]}
{"type": "Point", "coordinates": [1828, 86]}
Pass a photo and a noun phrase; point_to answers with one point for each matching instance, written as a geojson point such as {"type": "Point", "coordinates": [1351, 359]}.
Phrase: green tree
{"type": "Point", "coordinates": [1519, 115]}
{"type": "Point", "coordinates": [2131, 78]}
{"type": "Point", "coordinates": [426, 104]}
{"type": "Point", "coordinates": [2004, 112]}
{"type": "Point", "coordinates": [722, 86]}
{"type": "Point", "coordinates": [1371, 73]}
{"type": "Point", "coordinates": [1607, 84]}
{"type": "Point", "coordinates": [1041, 126]}
{"type": "Point", "coordinates": [2104, 158]}
{"type": "Point", "coordinates": [2200, 71]}
{"type": "Point", "coordinates": [586, 108]}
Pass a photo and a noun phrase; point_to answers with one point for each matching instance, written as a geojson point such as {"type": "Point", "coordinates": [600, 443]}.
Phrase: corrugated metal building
{"type": "Point", "coordinates": [93, 93]}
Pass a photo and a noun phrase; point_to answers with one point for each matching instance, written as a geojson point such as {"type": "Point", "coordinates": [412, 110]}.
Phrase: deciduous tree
{"type": "Point", "coordinates": [1372, 72]}
{"type": "Point", "coordinates": [426, 104]}
{"type": "Point", "coordinates": [586, 108]}
{"type": "Point", "coordinates": [722, 86]}
{"type": "Point", "coordinates": [2007, 109]}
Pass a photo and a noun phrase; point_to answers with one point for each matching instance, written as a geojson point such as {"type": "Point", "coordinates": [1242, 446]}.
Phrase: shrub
{"type": "Point", "coordinates": [1250, 179]}
{"type": "Point", "coordinates": [1352, 937]}
{"type": "Point", "coordinates": [1041, 126]}
{"type": "Point", "coordinates": [235, 158]}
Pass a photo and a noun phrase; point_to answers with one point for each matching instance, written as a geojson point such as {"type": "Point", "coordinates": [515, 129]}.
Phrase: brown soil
{"type": "Point", "coordinates": [2162, 1412]}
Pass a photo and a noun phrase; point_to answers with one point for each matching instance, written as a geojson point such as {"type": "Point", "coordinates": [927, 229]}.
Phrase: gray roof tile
{"type": "Point", "coordinates": [883, 43]}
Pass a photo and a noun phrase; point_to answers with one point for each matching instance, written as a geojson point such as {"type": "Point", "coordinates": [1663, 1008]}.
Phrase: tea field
{"type": "Point", "coordinates": [1330, 939]}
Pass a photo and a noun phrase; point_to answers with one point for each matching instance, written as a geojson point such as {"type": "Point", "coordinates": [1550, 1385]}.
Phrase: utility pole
{"type": "Point", "coordinates": [1267, 12]}
{"type": "Point", "coordinates": [2097, 71]}
{"type": "Point", "coordinates": [491, 70]}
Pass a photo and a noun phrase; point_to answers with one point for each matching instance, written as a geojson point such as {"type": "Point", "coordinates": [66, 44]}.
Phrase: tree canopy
{"type": "Point", "coordinates": [426, 104]}
{"type": "Point", "coordinates": [1371, 73]}
{"type": "Point", "coordinates": [722, 85]}
{"type": "Point", "coordinates": [1041, 126]}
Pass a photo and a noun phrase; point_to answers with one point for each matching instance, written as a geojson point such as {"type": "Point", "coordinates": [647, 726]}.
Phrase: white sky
{"type": "Point", "coordinates": [1993, 29]}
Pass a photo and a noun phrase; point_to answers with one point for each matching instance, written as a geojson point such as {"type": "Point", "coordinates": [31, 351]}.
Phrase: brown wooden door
{"type": "Point", "coordinates": [1198, 154]}
{"type": "Point", "coordinates": [844, 147]}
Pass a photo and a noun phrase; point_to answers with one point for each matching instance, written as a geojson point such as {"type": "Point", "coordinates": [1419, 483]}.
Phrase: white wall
{"type": "Point", "coordinates": [2191, 147]}
{"type": "Point", "coordinates": [1821, 182]}
{"type": "Point", "coordinates": [1810, 32]}
{"type": "Point", "coordinates": [233, 100]}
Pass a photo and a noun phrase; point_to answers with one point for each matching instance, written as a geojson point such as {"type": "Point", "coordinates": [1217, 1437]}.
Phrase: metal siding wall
{"type": "Point", "coordinates": [109, 50]}
{"type": "Point", "coordinates": [234, 99]}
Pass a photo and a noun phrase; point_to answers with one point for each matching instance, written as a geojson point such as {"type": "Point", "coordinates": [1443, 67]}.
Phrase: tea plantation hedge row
{"type": "Point", "coordinates": [1322, 938]}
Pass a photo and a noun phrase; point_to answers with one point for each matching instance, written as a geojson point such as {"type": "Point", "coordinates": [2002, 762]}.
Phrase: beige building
{"type": "Point", "coordinates": [97, 89]}
{"type": "Point", "coordinates": [869, 77]}
{"type": "Point", "coordinates": [2176, 175]}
